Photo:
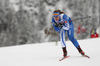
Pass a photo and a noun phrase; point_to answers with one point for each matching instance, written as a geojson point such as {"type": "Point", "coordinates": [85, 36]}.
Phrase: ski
{"type": "Point", "coordinates": [86, 56]}
{"type": "Point", "coordinates": [64, 58]}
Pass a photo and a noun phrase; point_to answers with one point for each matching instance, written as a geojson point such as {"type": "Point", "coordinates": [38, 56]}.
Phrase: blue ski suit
{"type": "Point", "coordinates": [67, 26]}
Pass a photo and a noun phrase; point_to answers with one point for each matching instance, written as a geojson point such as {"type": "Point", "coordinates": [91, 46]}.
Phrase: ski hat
{"type": "Point", "coordinates": [56, 14]}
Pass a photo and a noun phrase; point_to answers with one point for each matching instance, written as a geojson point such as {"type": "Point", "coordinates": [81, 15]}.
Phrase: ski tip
{"type": "Point", "coordinates": [64, 58]}
{"type": "Point", "coordinates": [59, 60]}
{"type": "Point", "coordinates": [88, 57]}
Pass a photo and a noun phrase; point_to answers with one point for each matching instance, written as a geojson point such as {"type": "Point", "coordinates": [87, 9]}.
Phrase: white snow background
{"type": "Point", "coordinates": [48, 54]}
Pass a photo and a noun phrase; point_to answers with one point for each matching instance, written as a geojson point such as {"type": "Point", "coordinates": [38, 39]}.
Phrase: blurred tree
{"type": "Point", "coordinates": [24, 21]}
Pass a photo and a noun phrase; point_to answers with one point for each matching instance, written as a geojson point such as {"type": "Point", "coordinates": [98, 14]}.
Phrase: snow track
{"type": "Point", "coordinates": [48, 54]}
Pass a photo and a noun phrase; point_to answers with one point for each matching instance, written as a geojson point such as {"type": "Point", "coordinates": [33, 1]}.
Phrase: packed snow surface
{"type": "Point", "coordinates": [48, 54]}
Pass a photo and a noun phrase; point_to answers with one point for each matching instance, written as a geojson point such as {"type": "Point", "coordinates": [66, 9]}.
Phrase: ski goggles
{"type": "Point", "coordinates": [56, 14]}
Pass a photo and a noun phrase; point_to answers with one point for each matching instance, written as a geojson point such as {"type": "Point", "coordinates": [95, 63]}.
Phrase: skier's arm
{"type": "Point", "coordinates": [66, 25]}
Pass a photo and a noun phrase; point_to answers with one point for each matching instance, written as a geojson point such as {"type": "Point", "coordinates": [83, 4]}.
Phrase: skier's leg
{"type": "Point", "coordinates": [62, 39]}
{"type": "Point", "coordinates": [70, 33]}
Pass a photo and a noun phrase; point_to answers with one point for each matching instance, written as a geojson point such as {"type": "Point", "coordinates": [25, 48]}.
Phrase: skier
{"type": "Point", "coordinates": [61, 24]}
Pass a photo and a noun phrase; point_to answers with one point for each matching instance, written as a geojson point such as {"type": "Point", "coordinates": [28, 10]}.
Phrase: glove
{"type": "Point", "coordinates": [58, 25]}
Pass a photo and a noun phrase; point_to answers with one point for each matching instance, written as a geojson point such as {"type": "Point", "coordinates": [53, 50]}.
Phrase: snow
{"type": "Point", "coordinates": [14, 1]}
{"type": "Point", "coordinates": [16, 7]}
{"type": "Point", "coordinates": [48, 54]}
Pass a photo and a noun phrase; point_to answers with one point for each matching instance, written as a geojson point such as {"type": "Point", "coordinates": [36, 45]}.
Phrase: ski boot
{"type": "Point", "coordinates": [80, 51]}
{"type": "Point", "coordinates": [64, 54]}
{"type": "Point", "coordinates": [64, 51]}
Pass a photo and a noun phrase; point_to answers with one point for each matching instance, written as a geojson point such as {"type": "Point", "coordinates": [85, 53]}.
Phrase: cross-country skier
{"type": "Point", "coordinates": [61, 24]}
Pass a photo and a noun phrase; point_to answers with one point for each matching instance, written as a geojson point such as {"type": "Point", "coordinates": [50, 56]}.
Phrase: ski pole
{"type": "Point", "coordinates": [80, 18]}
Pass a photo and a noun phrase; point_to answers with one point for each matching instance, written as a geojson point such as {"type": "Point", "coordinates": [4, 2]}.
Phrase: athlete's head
{"type": "Point", "coordinates": [56, 14]}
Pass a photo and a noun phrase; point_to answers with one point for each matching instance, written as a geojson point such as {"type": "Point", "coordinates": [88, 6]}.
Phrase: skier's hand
{"type": "Point", "coordinates": [58, 25]}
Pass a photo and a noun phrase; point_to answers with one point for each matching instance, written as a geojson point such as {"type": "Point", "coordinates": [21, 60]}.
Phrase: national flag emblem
{"type": "Point", "coordinates": [65, 21]}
